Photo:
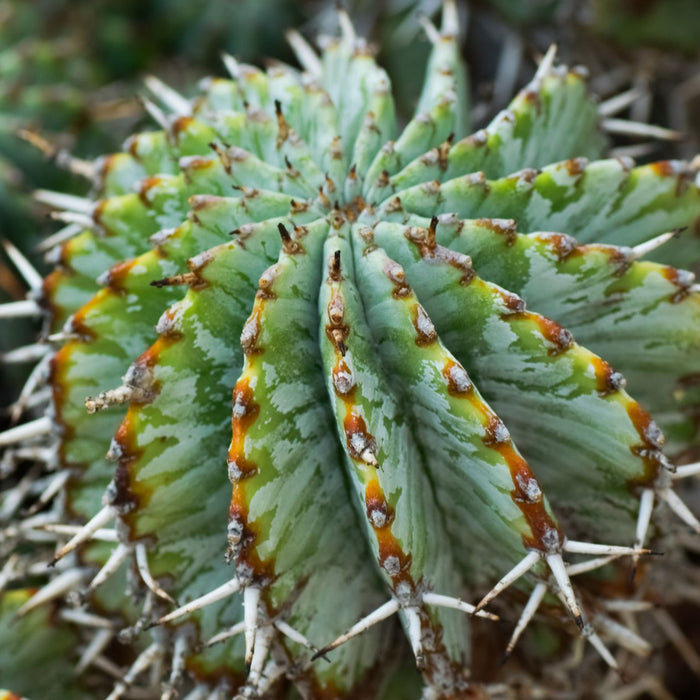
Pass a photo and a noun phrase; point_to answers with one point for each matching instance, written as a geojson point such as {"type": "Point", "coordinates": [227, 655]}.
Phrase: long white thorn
{"type": "Point", "coordinates": [9, 571]}
{"type": "Point", "coordinates": [180, 649]}
{"type": "Point", "coordinates": [63, 583]}
{"type": "Point", "coordinates": [118, 556]}
{"type": "Point", "coordinates": [12, 498]}
{"type": "Point", "coordinates": [631, 128]}
{"type": "Point", "coordinates": [39, 398]}
{"type": "Point", "coordinates": [590, 565]}
{"type": "Point", "coordinates": [85, 619]}
{"type": "Point", "coordinates": [617, 103]}
{"type": "Point", "coordinates": [231, 65]}
{"type": "Point", "coordinates": [546, 63]}
{"type": "Point", "coordinates": [415, 634]}
{"type": "Point", "coordinates": [20, 309]}
{"type": "Point", "coordinates": [262, 647]}
{"type": "Point", "coordinates": [556, 565]}
{"type": "Point", "coordinates": [575, 547]}
{"type": "Point", "coordinates": [60, 156]}
{"type": "Point", "coordinates": [96, 646]}
{"type": "Point", "coordinates": [291, 633]}
{"type": "Point", "coordinates": [513, 575]}
{"type": "Point", "coordinates": [172, 99]}
{"type": "Point", "coordinates": [27, 431]}
{"type": "Point", "coordinates": [69, 202]}
{"type": "Point", "coordinates": [273, 671]}
{"type": "Point", "coordinates": [251, 598]}
{"type": "Point", "coordinates": [100, 535]}
{"type": "Point", "coordinates": [445, 601]}
{"type": "Point", "coordinates": [305, 54]}
{"type": "Point", "coordinates": [686, 470]}
{"type": "Point", "coordinates": [36, 377]}
{"type": "Point", "coordinates": [590, 634]}
{"type": "Point", "coordinates": [70, 217]}
{"type": "Point", "coordinates": [28, 353]}
{"type": "Point", "coordinates": [55, 485]}
{"type": "Point", "coordinates": [526, 616]}
{"type": "Point", "coordinates": [108, 666]}
{"type": "Point", "coordinates": [227, 589]}
{"type": "Point", "coordinates": [26, 269]}
{"type": "Point", "coordinates": [450, 18]}
{"type": "Point", "coordinates": [639, 251]}
{"type": "Point", "coordinates": [646, 506]}
{"type": "Point", "coordinates": [346, 28]}
{"type": "Point", "coordinates": [65, 234]}
{"type": "Point", "coordinates": [156, 113]}
{"type": "Point", "coordinates": [631, 606]}
{"type": "Point", "coordinates": [381, 613]}
{"type": "Point", "coordinates": [99, 520]}
{"type": "Point", "coordinates": [623, 636]}
{"type": "Point", "coordinates": [430, 31]}
{"type": "Point", "coordinates": [142, 663]}
{"type": "Point", "coordinates": [145, 573]}
{"type": "Point", "coordinates": [674, 502]}
{"type": "Point", "coordinates": [233, 631]}
{"type": "Point", "coordinates": [634, 150]}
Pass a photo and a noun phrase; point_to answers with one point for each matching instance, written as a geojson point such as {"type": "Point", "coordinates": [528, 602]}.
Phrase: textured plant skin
{"type": "Point", "coordinates": [284, 288]}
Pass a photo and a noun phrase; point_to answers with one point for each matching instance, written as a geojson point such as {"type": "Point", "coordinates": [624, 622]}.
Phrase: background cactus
{"type": "Point", "coordinates": [362, 290]}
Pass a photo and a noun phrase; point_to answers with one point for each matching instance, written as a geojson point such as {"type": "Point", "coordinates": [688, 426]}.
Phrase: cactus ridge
{"type": "Point", "coordinates": [282, 284]}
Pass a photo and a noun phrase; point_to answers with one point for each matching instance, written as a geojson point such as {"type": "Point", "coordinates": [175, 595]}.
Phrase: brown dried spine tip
{"type": "Point", "coordinates": [334, 267]}
{"type": "Point", "coordinates": [291, 170]}
{"type": "Point", "coordinates": [282, 126]}
{"type": "Point", "coordinates": [298, 207]}
{"type": "Point", "coordinates": [393, 206]}
{"type": "Point", "coordinates": [223, 156]}
{"type": "Point", "coordinates": [291, 247]}
{"type": "Point", "coordinates": [432, 230]}
{"type": "Point", "coordinates": [383, 179]}
{"type": "Point", "coordinates": [444, 151]}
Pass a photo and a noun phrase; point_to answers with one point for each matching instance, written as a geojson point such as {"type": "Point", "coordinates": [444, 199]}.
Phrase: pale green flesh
{"type": "Point", "coordinates": [418, 526]}
{"type": "Point", "coordinates": [551, 119]}
{"type": "Point", "coordinates": [472, 483]}
{"type": "Point", "coordinates": [550, 404]}
{"type": "Point", "coordinates": [613, 305]}
{"type": "Point", "coordinates": [602, 201]}
{"type": "Point", "coordinates": [300, 479]}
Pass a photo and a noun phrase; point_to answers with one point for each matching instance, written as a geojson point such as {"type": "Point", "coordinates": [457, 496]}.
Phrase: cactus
{"type": "Point", "coordinates": [320, 415]}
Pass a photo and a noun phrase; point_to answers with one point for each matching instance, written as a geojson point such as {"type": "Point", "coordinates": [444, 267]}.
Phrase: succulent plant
{"type": "Point", "coordinates": [302, 339]}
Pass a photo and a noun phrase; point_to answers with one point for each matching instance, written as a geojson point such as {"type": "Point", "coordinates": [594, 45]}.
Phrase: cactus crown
{"type": "Point", "coordinates": [404, 434]}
